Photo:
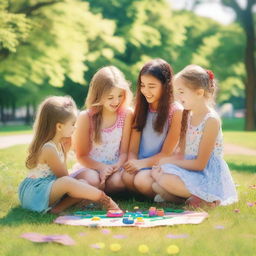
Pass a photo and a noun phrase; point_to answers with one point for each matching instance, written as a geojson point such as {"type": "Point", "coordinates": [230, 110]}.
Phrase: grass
{"type": "Point", "coordinates": [234, 134]}
{"type": "Point", "coordinates": [15, 129]}
{"type": "Point", "coordinates": [236, 239]}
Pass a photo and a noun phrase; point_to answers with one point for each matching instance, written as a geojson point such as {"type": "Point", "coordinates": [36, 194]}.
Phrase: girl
{"type": "Point", "coordinates": [103, 131]}
{"type": "Point", "coordinates": [202, 176]}
{"type": "Point", "coordinates": [156, 127]}
{"type": "Point", "coordinates": [48, 179]}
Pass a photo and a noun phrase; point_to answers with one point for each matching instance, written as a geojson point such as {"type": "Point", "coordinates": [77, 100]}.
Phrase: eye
{"type": "Point", "coordinates": [120, 96]}
{"type": "Point", "coordinates": [110, 98]}
{"type": "Point", "coordinates": [151, 87]}
{"type": "Point", "coordinates": [142, 85]}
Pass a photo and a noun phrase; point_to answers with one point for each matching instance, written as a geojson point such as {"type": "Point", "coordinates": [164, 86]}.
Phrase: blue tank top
{"type": "Point", "coordinates": [151, 141]}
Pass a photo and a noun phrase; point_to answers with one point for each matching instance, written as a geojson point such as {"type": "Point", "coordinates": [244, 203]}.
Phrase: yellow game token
{"type": "Point", "coordinates": [115, 247]}
{"type": "Point", "coordinates": [143, 248]}
{"type": "Point", "coordinates": [172, 249]}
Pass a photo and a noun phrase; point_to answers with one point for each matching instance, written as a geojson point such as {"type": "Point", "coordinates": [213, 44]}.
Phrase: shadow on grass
{"type": "Point", "coordinates": [250, 168]}
{"type": "Point", "coordinates": [18, 216]}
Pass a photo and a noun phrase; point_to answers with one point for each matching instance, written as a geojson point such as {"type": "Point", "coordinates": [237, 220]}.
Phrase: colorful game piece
{"type": "Point", "coordinates": [95, 218]}
{"type": "Point", "coordinates": [152, 212]}
{"type": "Point", "coordinates": [115, 213]}
{"type": "Point", "coordinates": [160, 212]}
{"type": "Point", "coordinates": [128, 220]}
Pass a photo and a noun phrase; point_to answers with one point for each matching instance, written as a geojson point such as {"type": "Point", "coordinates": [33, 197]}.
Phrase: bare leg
{"type": "Point", "coordinates": [143, 182]}
{"type": "Point", "coordinates": [173, 185]}
{"type": "Point", "coordinates": [166, 195]}
{"type": "Point", "coordinates": [128, 180]}
{"type": "Point", "coordinates": [78, 189]}
{"type": "Point", "coordinates": [67, 202]}
{"type": "Point", "coordinates": [114, 183]}
{"type": "Point", "coordinates": [92, 177]}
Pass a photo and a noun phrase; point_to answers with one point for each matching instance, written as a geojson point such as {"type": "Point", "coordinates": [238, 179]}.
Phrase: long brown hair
{"type": "Point", "coordinates": [101, 84]}
{"type": "Point", "coordinates": [162, 71]}
{"type": "Point", "coordinates": [196, 77]}
{"type": "Point", "coordinates": [52, 110]}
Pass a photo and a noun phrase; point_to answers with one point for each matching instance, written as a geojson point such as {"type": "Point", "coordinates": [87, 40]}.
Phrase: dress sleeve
{"type": "Point", "coordinates": [173, 108]}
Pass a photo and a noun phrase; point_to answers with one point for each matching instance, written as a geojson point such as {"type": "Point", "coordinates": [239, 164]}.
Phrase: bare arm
{"type": "Point", "coordinates": [125, 139]}
{"type": "Point", "coordinates": [51, 158]}
{"type": "Point", "coordinates": [206, 147]}
{"type": "Point", "coordinates": [82, 143]}
{"type": "Point", "coordinates": [169, 145]}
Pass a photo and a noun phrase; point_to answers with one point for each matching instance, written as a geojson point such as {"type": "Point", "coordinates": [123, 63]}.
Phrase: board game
{"type": "Point", "coordinates": [150, 218]}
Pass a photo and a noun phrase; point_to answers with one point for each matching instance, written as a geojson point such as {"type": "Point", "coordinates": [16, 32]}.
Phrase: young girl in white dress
{"type": "Point", "coordinates": [48, 181]}
{"type": "Point", "coordinates": [201, 176]}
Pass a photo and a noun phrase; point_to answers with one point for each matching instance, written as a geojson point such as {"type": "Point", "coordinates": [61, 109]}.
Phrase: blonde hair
{"type": "Point", "coordinates": [196, 77]}
{"type": "Point", "coordinates": [103, 81]}
{"type": "Point", "coordinates": [52, 110]}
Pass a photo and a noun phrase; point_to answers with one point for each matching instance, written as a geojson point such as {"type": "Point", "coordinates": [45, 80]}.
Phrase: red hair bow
{"type": "Point", "coordinates": [210, 74]}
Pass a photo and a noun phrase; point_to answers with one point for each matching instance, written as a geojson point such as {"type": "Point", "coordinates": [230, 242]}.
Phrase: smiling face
{"type": "Point", "coordinates": [187, 96]}
{"type": "Point", "coordinates": [151, 88]}
{"type": "Point", "coordinates": [113, 99]}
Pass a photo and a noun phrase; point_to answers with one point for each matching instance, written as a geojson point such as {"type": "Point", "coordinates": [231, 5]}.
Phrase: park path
{"type": "Point", "coordinates": [11, 140]}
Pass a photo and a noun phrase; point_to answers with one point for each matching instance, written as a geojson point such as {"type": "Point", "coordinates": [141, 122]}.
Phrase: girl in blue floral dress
{"type": "Point", "coordinates": [201, 176]}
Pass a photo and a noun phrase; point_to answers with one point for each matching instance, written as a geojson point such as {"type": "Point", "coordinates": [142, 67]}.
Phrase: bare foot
{"type": "Point", "coordinates": [196, 202]}
{"type": "Point", "coordinates": [166, 195]}
{"type": "Point", "coordinates": [108, 203]}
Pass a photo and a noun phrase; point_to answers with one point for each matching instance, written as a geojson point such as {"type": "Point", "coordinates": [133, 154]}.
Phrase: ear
{"type": "Point", "coordinates": [58, 127]}
{"type": "Point", "coordinates": [200, 92]}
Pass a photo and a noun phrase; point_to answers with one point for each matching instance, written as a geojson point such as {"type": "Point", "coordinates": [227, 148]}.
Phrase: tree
{"type": "Point", "coordinates": [245, 18]}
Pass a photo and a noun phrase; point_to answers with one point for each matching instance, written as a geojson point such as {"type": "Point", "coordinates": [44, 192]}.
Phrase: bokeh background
{"type": "Point", "coordinates": [53, 47]}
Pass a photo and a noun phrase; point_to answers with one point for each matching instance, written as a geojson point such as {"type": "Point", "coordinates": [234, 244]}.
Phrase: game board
{"type": "Point", "coordinates": [141, 219]}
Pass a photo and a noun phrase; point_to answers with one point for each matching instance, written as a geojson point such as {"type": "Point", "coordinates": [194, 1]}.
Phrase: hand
{"type": "Point", "coordinates": [116, 167]}
{"type": "Point", "coordinates": [66, 143]}
{"type": "Point", "coordinates": [105, 171]}
{"type": "Point", "coordinates": [156, 172]}
{"type": "Point", "coordinates": [133, 166]}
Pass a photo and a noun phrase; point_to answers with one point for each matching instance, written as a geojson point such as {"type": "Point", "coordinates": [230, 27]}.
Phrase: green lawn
{"type": "Point", "coordinates": [15, 129]}
{"type": "Point", "coordinates": [233, 133]}
{"type": "Point", "coordinates": [236, 239]}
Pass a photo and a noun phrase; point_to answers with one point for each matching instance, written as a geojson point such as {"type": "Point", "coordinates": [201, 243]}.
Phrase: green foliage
{"type": "Point", "coordinates": [47, 43]}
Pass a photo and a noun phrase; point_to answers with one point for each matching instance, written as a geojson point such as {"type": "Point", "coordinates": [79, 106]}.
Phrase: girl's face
{"type": "Point", "coordinates": [152, 89]}
{"type": "Point", "coordinates": [114, 99]}
{"type": "Point", "coordinates": [68, 127]}
{"type": "Point", "coordinates": [186, 96]}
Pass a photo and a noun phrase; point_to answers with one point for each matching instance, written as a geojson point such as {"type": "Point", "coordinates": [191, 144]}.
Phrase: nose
{"type": "Point", "coordinates": [116, 101]}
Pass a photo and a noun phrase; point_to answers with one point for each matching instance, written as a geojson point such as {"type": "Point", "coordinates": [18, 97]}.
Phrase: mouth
{"type": "Point", "coordinates": [114, 106]}
{"type": "Point", "coordinates": [149, 98]}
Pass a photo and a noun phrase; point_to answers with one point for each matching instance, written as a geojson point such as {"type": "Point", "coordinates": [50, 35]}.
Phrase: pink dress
{"type": "Point", "coordinates": [108, 150]}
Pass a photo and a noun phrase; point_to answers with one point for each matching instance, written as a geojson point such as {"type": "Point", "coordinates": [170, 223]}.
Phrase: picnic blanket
{"type": "Point", "coordinates": [101, 220]}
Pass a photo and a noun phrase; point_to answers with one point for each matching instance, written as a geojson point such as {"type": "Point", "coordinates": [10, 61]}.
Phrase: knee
{"type": "Point", "coordinates": [139, 182]}
{"type": "Point", "coordinates": [142, 182]}
{"type": "Point", "coordinates": [127, 179]}
{"type": "Point", "coordinates": [116, 181]}
{"type": "Point", "coordinates": [94, 181]}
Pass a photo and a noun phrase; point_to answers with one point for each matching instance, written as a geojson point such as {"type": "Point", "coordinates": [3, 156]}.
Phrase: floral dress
{"type": "Point", "coordinates": [108, 150]}
{"type": "Point", "coordinates": [215, 181]}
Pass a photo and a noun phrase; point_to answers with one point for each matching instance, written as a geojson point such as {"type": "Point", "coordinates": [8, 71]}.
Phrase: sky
{"type": "Point", "coordinates": [212, 10]}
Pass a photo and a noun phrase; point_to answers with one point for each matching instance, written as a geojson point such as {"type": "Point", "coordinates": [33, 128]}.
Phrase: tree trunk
{"type": "Point", "coordinates": [250, 91]}
{"type": "Point", "coordinates": [27, 118]}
